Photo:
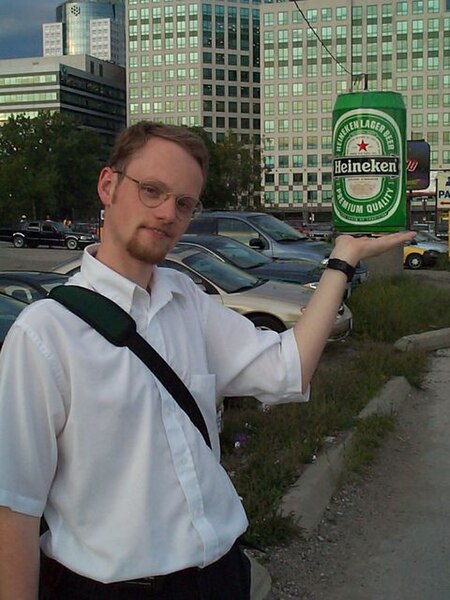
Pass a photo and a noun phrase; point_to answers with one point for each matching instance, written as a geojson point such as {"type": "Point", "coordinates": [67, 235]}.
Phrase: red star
{"type": "Point", "coordinates": [362, 145]}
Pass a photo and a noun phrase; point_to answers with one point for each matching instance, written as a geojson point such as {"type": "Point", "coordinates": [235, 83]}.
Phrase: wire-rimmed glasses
{"type": "Point", "coordinates": [152, 195]}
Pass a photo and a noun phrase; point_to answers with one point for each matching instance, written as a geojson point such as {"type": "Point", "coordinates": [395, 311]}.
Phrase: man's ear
{"type": "Point", "coordinates": [106, 185]}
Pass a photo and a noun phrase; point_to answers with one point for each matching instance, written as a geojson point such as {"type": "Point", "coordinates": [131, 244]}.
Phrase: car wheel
{"type": "Point", "coordinates": [267, 322]}
{"type": "Point", "coordinates": [414, 261]}
{"type": "Point", "coordinates": [71, 244]}
{"type": "Point", "coordinates": [18, 241]}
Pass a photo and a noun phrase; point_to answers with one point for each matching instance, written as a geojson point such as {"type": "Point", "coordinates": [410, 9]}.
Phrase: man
{"type": "Point", "coordinates": [136, 503]}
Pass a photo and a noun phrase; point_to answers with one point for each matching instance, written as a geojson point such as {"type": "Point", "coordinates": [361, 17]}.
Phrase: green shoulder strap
{"type": "Point", "coordinates": [118, 327]}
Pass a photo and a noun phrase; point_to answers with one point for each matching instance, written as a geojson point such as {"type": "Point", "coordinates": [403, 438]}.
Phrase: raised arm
{"type": "Point", "coordinates": [19, 555]}
{"type": "Point", "coordinates": [313, 329]}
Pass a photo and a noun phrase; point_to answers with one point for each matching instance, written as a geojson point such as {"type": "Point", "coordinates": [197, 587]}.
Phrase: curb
{"type": "Point", "coordinates": [308, 498]}
{"type": "Point", "coordinates": [428, 341]}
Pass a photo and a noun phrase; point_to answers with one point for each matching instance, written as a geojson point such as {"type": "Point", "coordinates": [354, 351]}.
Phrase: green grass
{"type": "Point", "coordinates": [369, 433]}
{"type": "Point", "coordinates": [386, 310]}
{"type": "Point", "coordinates": [275, 445]}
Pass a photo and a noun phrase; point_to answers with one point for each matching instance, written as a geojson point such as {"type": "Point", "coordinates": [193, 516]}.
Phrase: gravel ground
{"type": "Point", "coordinates": [306, 568]}
{"type": "Point", "coordinates": [309, 569]}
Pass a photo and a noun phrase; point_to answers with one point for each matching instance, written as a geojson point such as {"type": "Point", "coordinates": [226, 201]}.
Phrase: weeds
{"type": "Point", "coordinates": [368, 436]}
{"type": "Point", "coordinates": [274, 446]}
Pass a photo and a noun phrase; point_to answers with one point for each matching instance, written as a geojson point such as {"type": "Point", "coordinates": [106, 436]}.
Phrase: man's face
{"type": "Point", "coordinates": [147, 234]}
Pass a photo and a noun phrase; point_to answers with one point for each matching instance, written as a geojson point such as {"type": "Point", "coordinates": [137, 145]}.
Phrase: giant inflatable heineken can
{"type": "Point", "coordinates": [369, 162]}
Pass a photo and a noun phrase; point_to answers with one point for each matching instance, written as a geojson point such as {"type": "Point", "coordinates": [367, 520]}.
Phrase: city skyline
{"type": "Point", "coordinates": [21, 30]}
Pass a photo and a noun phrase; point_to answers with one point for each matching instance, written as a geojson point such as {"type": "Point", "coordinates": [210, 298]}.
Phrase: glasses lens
{"type": "Point", "coordinates": [188, 207]}
{"type": "Point", "coordinates": [150, 194]}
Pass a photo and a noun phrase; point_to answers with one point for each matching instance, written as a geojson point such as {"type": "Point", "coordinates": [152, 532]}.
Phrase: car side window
{"type": "Point", "coordinates": [202, 226]}
{"type": "Point", "coordinates": [238, 230]}
{"type": "Point", "coordinates": [47, 228]}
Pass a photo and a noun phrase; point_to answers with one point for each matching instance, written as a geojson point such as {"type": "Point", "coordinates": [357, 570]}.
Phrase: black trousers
{"type": "Point", "coordinates": [226, 579]}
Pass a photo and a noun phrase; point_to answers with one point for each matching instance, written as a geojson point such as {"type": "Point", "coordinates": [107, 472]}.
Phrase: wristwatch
{"type": "Point", "coordinates": [341, 265]}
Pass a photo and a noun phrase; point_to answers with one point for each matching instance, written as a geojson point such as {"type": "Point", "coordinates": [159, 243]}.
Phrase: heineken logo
{"type": "Point", "coordinates": [368, 181]}
{"type": "Point", "coordinates": [376, 165]}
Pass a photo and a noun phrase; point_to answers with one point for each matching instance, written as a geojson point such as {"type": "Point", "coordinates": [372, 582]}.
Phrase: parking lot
{"type": "Point", "coordinates": [33, 258]}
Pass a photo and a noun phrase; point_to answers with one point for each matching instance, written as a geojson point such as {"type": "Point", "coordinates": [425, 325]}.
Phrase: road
{"type": "Point", "coordinates": [33, 258]}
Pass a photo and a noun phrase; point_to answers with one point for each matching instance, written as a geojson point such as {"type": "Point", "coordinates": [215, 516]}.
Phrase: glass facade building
{"type": "Point", "coordinates": [89, 89]}
{"type": "Point", "coordinates": [312, 53]}
{"type": "Point", "coordinates": [95, 27]}
{"type": "Point", "coordinates": [195, 64]}
{"type": "Point", "coordinates": [272, 70]}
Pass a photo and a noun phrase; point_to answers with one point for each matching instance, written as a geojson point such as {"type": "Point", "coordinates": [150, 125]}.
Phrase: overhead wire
{"type": "Point", "coordinates": [322, 43]}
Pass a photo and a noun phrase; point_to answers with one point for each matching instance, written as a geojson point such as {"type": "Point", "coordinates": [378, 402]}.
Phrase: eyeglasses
{"type": "Point", "coordinates": [152, 196]}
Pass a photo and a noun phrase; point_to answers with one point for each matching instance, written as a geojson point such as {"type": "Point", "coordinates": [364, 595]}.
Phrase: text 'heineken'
{"type": "Point", "coordinates": [369, 154]}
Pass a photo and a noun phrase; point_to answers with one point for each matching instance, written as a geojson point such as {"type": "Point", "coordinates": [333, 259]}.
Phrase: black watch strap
{"type": "Point", "coordinates": [340, 265]}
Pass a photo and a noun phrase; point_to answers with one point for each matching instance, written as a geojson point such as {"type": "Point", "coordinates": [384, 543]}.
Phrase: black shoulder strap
{"type": "Point", "coordinates": [118, 327]}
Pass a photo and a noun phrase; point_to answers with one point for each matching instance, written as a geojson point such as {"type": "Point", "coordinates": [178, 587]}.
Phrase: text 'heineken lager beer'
{"type": "Point", "coordinates": [369, 162]}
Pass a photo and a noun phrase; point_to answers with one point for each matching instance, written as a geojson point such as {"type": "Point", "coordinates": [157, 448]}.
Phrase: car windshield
{"type": "Point", "coordinates": [276, 229]}
{"type": "Point", "coordinates": [236, 253]}
{"type": "Point", "coordinates": [225, 276]}
{"type": "Point", "coordinates": [425, 236]}
{"type": "Point", "coordinates": [9, 310]}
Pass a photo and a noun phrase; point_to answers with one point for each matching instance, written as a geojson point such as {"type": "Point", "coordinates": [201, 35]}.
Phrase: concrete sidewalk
{"type": "Point", "coordinates": [308, 498]}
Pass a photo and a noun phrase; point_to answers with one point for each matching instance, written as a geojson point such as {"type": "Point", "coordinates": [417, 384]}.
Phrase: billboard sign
{"type": "Point", "coordinates": [443, 190]}
{"type": "Point", "coordinates": [417, 165]}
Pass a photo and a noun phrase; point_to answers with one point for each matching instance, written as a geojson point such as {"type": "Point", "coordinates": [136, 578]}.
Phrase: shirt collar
{"type": "Point", "coordinates": [127, 294]}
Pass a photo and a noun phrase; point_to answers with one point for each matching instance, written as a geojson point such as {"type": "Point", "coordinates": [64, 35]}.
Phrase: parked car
{"type": "Point", "coordinates": [46, 233]}
{"type": "Point", "coordinates": [29, 286]}
{"type": "Point", "coordinates": [430, 242]}
{"type": "Point", "coordinates": [264, 232]}
{"type": "Point", "coordinates": [320, 231]}
{"type": "Point", "coordinates": [415, 257]}
{"type": "Point", "coordinates": [268, 235]}
{"type": "Point", "coordinates": [268, 304]}
{"type": "Point", "coordinates": [68, 267]}
{"type": "Point", "coordinates": [10, 308]}
{"type": "Point", "coordinates": [274, 305]}
{"type": "Point", "coordinates": [252, 261]}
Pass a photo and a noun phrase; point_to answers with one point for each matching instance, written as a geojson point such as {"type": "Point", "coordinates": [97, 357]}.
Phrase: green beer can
{"type": "Point", "coordinates": [369, 162]}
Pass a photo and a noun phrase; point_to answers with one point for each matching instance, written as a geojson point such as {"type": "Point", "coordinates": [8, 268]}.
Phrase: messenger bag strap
{"type": "Point", "coordinates": [119, 328]}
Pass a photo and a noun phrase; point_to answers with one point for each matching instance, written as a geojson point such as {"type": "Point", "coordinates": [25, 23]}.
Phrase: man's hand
{"type": "Point", "coordinates": [353, 249]}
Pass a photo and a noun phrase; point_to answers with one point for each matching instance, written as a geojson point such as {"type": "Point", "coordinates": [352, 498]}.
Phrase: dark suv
{"type": "Point", "coordinates": [261, 231]}
{"type": "Point", "coordinates": [269, 235]}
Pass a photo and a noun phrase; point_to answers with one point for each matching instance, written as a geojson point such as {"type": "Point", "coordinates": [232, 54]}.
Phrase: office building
{"type": "Point", "coordinates": [90, 89]}
{"type": "Point", "coordinates": [94, 27]}
{"type": "Point", "coordinates": [272, 71]}
{"type": "Point", "coordinates": [196, 64]}
{"type": "Point", "coordinates": [313, 50]}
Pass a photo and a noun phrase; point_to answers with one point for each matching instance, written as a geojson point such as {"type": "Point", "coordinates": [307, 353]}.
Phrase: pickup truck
{"type": "Point", "coordinates": [46, 233]}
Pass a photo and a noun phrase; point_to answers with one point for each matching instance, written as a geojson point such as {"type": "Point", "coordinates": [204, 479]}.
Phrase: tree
{"type": "Point", "coordinates": [48, 166]}
{"type": "Point", "coordinates": [234, 177]}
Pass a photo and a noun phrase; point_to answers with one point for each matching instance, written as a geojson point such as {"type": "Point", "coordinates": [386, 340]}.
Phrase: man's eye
{"type": "Point", "coordinates": [151, 191]}
{"type": "Point", "coordinates": [186, 203]}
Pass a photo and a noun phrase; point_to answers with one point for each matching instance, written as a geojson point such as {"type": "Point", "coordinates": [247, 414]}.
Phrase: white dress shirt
{"type": "Point", "coordinates": [90, 438]}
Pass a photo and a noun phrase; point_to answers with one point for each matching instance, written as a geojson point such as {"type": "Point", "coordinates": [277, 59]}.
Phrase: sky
{"type": "Point", "coordinates": [21, 26]}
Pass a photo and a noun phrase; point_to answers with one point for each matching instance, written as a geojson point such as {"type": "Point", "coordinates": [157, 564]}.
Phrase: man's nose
{"type": "Point", "coordinates": [167, 210]}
